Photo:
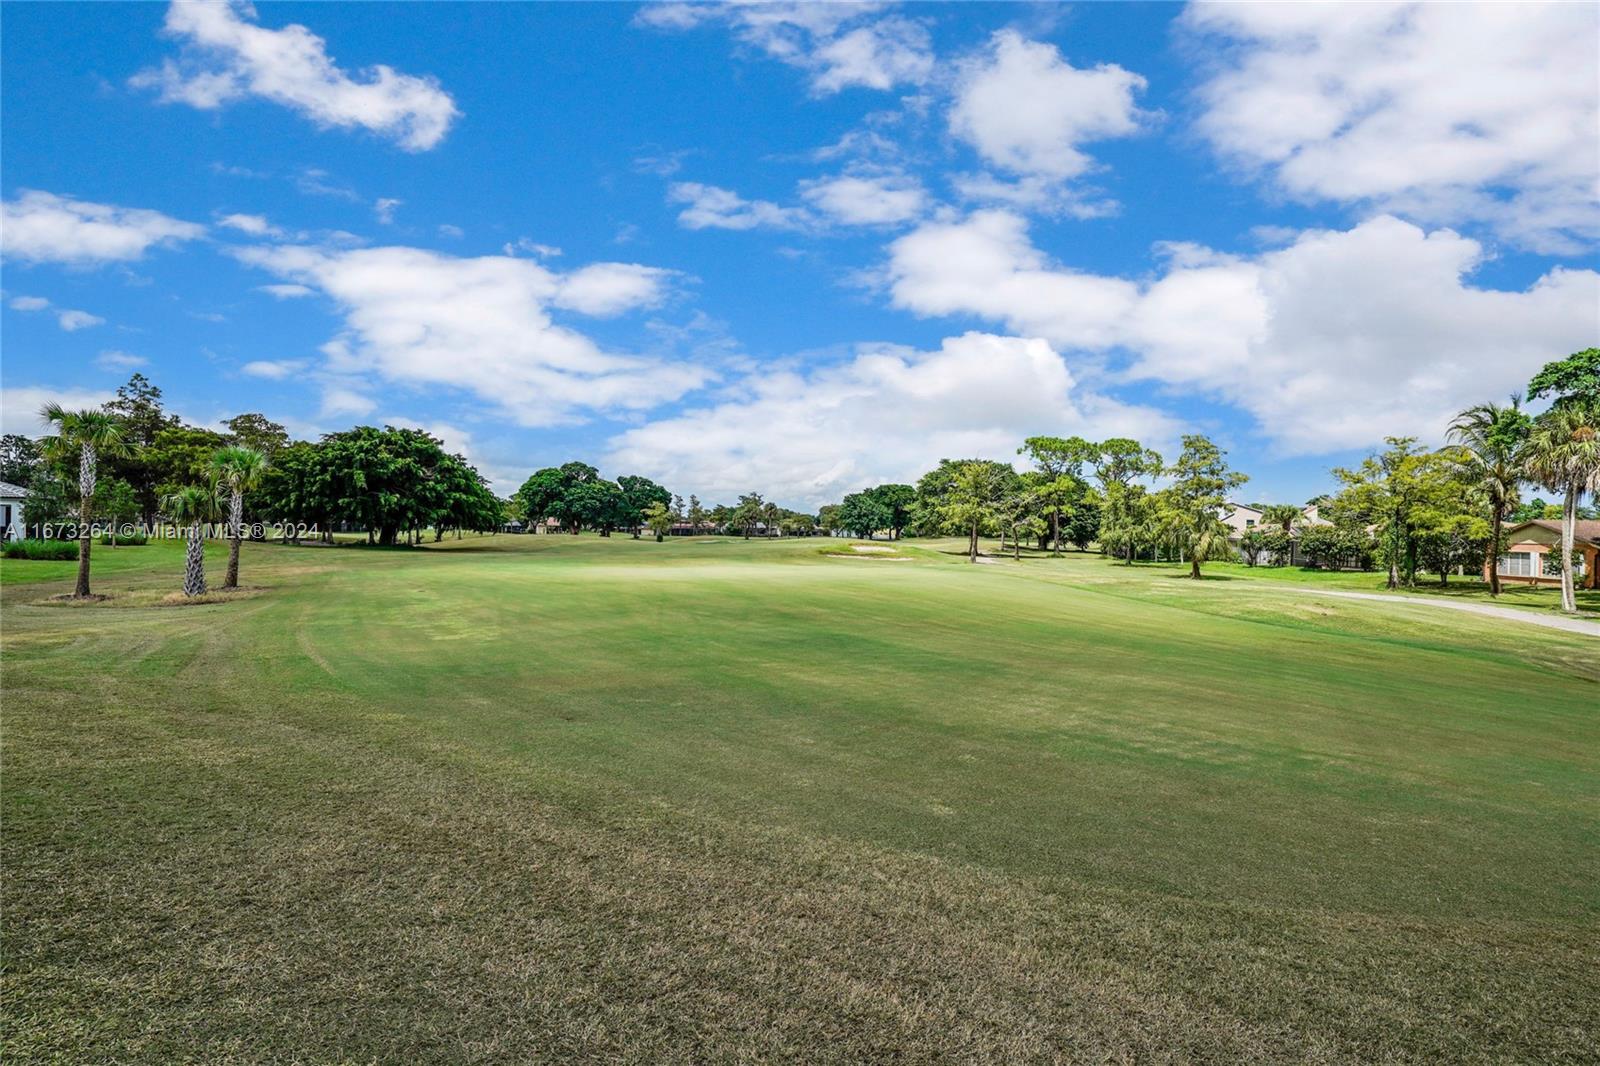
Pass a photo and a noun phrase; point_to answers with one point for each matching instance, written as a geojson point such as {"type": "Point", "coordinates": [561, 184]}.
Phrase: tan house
{"type": "Point", "coordinates": [1534, 553]}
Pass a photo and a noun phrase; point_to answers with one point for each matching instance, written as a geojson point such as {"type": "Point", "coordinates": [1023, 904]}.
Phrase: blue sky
{"type": "Point", "coordinates": [802, 249]}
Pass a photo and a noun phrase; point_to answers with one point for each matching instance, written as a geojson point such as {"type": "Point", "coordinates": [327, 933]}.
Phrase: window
{"type": "Point", "coordinates": [1518, 564]}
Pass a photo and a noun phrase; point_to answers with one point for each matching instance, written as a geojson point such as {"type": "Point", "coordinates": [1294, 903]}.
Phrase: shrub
{"type": "Point", "coordinates": [41, 549]}
{"type": "Point", "coordinates": [134, 540]}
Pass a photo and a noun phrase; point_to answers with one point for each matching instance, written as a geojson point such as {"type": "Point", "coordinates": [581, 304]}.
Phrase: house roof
{"type": "Point", "coordinates": [8, 489]}
{"type": "Point", "coordinates": [1587, 529]}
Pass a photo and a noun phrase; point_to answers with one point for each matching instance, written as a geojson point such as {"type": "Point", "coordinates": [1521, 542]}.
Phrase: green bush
{"type": "Point", "coordinates": [125, 540]}
{"type": "Point", "coordinates": [41, 549]}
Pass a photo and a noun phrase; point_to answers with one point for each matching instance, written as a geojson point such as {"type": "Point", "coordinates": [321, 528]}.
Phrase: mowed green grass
{"type": "Point", "coordinates": [555, 799]}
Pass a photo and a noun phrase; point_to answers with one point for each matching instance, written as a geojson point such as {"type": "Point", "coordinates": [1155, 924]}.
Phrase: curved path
{"type": "Point", "coordinates": [1550, 621]}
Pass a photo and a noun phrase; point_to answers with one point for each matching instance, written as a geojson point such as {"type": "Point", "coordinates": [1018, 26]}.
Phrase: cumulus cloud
{"type": "Point", "coordinates": [273, 369]}
{"type": "Point", "coordinates": [42, 227]}
{"type": "Point", "coordinates": [72, 321]}
{"type": "Point", "coordinates": [254, 225]}
{"type": "Point", "coordinates": [839, 45]}
{"type": "Point", "coordinates": [1447, 113]}
{"type": "Point", "coordinates": [867, 198]}
{"type": "Point", "coordinates": [1028, 111]}
{"type": "Point", "coordinates": [228, 57]}
{"type": "Point", "coordinates": [484, 325]}
{"type": "Point", "coordinates": [1332, 342]}
{"type": "Point", "coordinates": [112, 359]}
{"type": "Point", "coordinates": [69, 320]}
{"type": "Point", "coordinates": [713, 207]}
{"type": "Point", "coordinates": [384, 208]}
{"type": "Point", "coordinates": [886, 414]}
{"type": "Point", "coordinates": [20, 404]}
{"type": "Point", "coordinates": [285, 291]}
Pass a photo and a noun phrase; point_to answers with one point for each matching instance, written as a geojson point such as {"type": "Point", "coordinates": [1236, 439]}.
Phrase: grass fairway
{"type": "Point", "coordinates": [551, 798]}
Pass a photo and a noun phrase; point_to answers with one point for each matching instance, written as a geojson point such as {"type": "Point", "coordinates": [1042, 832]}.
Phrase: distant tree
{"type": "Point", "coordinates": [864, 513]}
{"type": "Point", "coordinates": [748, 513]}
{"type": "Point", "coordinates": [294, 491]}
{"type": "Point", "coordinates": [236, 470]}
{"type": "Point", "coordinates": [1574, 380]}
{"type": "Point", "coordinates": [138, 407]}
{"type": "Point", "coordinates": [1127, 511]}
{"type": "Point", "coordinates": [258, 433]}
{"type": "Point", "coordinates": [929, 514]}
{"type": "Point", "coordinates": [84, 436]}
{"type": "Point", "coordinates": [659, 517]}
{"type": "Point", "coordinates": [49, 501]}
{"type": "Point", "coordinates": [512, 510]}
{"type": "Point", "coordinates": [1282, 515]}
{"type": "Point", "coordinates": [1562, 453]}
{"type": "Point", "coordinates": [1082, 526]}
{"type": "Point", "coordinates": [897, 502]}
{"type": "Point", "coordinates": [114, 500]}
{"type": "Point", "coordinates": [192, 508]}
{"type": "Point", "coordinates": [697, 515]}
{"type": "Point", "coordinates": [1491, 437]}
{"type": "Point", "coordinates": [828, 517]}
{"type": "Point", "coordinates": [1402, 493]}
{"type": "Point", "coordinates": [179, 455]}
{"type": "Point", "coordinates": [1194, 502]}
{"type": "Point", "coordinates": [772, 518]}
{"type": "Point", "coordinates": [971, 498]}
{"type": "Point", "coordinates": [1019, 515]}
{"type": "Point", "coordinates": [1252, 543]}
{"type": "Point", "coordinates": [20, 459]}
{"type": "Point", "coordinates": [1059, 461]}
{"type": "Point", "coordinates": [637, 494]}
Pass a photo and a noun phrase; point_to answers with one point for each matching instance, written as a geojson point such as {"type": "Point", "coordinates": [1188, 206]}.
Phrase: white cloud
{"type": "Point", "coordinates": [1027, 110]}
{"type": "Point", "coordinates": [384, 208]}
{"type": "Point", "coordinates": [229, 57]}
{"type": "Point", "coordinates": [455, 233]}
{"type": "Point", "coordinates": [887, 414]}
{"type": "Point", "coordinates": [273, 369]}
{"type": "Point", "coordinates": [68, 319]}
{"type": "Point", "coordinates": [111, 359]}
{"type": "Point", "coordinates": [254, 225]}
{"type": "Point", "coordinates": [1446, 112]}
{"type": "Point", "coordinates": [712, 207]}
{"type": "Point", "coordinates": [20, 405]}
{"type": "Point", "coordinates": [72, 321]}
{"type": "Point", "coordinates": [41, 227]}
{"type": "Point", "coordinates": [1332, 342]}
{"type": "Point", "coordinates": [341, 401]}
{"type": "Point", "coordinates": [867, 198]}
{"type": "Point", "coordinates": [285, 292]}
{"type": "Point", "coordinates": [429, 320]}
{"type": "Point", "coordinates": [839, 45]}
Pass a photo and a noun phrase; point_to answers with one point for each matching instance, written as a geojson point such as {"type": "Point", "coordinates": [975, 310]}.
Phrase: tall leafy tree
{"type": "Point", "coordinates": [1127, 511]}
{"type": "Point", "coordinates": [139, 408]}
{"type": "Point", "coordinates": [85, 436]}
{"type": "Point", "coordinates": [192, 508]}
{"type": "Point", "coordinates": [639, 493]}
{"type": "Point", "coordinates": [747, 513]}
{"type": "Point", "coordinates": [1401, 493]}
{"type": "Point", "coordinates": [659, 517]}
{"type": "Point", "coordinates": [697, 515]}
{"type": "Point", "coordinates": [1574, 380]}
{"type": "Point", "coordinates": [258, 432]}
{"type": "Point", "coordinates": [897, 501]}
{"type": "Point", "coordinates": [1491, 436]}
{"type": "Point", "coordinates": [864, 513]}
{"type": "Point", "coordinates": [1059, 462]}
{"type": "Point", "coordinates": [20, 459]}
{"type": "Point", "coordinates": [114, 500]}
{"type": "Point", "coordinates": [236, 470]}
{"type": "Point", "coordinates": [971, 497]}
{"type": "Point", "coordinates": [1194, 502]}
{"type": "Point", "coordinates": [1562, 453]}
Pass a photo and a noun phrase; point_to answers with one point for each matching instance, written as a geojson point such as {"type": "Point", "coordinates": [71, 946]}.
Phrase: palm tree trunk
{"type": "Point", "coordinates": [1494, 554]}
{"type": "Point", "coordinates": [1055, 533]}
{"type": "Point", "coordinates": [194, 563]}
{"type": "Point", "coordinates": [1569, 521]}
{"type": "Point", "coordinates": [235, 536]}
{"type": "Point", "coordinates": [85, 510]}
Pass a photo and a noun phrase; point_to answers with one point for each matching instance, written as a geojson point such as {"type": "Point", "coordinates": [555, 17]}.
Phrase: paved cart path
{"type": "Point", "coordinates": [1550, 621]}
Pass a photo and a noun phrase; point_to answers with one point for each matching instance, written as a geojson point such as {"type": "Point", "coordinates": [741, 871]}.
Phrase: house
{"type": "Point", "coordinates": [12, 499]}
{"type": "Point", "coordinates": [1533, 553]}
{"type": "Point", "coordinates": [1240, 518]}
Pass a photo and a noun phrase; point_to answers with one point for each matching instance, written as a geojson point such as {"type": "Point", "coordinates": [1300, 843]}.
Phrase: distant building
{"type": "Point", "coordinates": [12, 500]}
{"type": "Point", "coordinates": [1533, 553]}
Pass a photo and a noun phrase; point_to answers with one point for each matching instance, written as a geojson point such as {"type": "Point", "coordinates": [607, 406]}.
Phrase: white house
{"type": "Point", "coordinates": [12, 498]}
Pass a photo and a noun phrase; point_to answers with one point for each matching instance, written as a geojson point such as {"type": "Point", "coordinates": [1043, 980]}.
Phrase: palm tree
{"type": "Point", "coordinates": [83, 435]}
{"type": "Point", "coordinates": [1283, 515]}
{"type": "Point", "coordinates": [238, 470]}
{"type": "Point", "coordinates": [193, 506]}
{"type": "Point", "coordinates": [1563, 454]}
{"type": "Point", "coordinates": [1490, 435]}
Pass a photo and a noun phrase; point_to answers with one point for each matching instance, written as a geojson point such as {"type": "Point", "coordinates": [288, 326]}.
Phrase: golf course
{"type": "Point", "coordinates": [556, 798]}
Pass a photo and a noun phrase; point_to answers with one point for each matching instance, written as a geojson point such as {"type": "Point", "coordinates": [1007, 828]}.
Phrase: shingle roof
{"type": "Point", "coordinates": [8, 489]}
{"type": "Point", "coordinates": [1586, 528]}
